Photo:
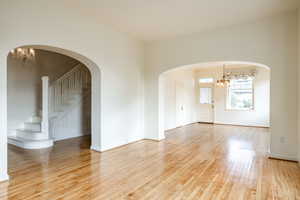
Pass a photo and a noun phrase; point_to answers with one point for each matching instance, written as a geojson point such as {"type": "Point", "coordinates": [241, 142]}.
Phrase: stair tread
{"type": "Point", "coordinates": [27, 140]}
{"type": "Point", "coordinates": [32, 122]}
{"type": "Point", "coordinates": [29, 131]}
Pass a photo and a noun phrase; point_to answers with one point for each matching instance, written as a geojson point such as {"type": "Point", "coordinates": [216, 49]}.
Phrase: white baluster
{"type": "Point", "coordinates": [63, 88]}
{"type": "Point", "coordinates": [45, 105]}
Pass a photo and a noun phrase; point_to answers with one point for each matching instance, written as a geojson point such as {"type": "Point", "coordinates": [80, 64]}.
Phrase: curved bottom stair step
{"type": "Point", "coordinates": [30, 144]}
{"type": "Point", "coordinates": [30, 135]}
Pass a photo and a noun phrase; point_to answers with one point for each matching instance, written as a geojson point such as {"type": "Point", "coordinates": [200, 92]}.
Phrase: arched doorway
{"type": "Point", "coordinates": [95, 74]}
{"type": "Point", "coordinates": [95, 90]}
{"type": "Point", "coordinates": [162, 91]}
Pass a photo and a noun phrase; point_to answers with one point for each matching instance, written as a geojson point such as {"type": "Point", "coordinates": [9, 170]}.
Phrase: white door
{"type": "Point", "coordinates": [180, 107]}
{"type": "Point", "coordinates": [206, 103]}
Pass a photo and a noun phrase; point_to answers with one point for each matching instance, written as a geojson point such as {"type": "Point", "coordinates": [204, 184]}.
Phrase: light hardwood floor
{"type": "Point", "coordinates": [199, 161]}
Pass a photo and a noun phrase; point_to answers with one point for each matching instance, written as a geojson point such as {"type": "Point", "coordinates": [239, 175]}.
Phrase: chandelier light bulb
{"type": "Point", "coordinates": [31, 51]}
{"type": "Point", "coordinates": [24, 54]}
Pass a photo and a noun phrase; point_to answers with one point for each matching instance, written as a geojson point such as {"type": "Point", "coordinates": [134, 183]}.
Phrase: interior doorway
{"type": "Point", "coordinates": [49, 98]}
{"type": "Point", "coordinates": [73, 104]}
{"type": "Point", "coordinates": [237, 94]}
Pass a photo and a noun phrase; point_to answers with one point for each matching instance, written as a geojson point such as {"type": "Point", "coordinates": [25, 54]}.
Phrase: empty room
{"type": "Point", "coordinates": [111, 99]}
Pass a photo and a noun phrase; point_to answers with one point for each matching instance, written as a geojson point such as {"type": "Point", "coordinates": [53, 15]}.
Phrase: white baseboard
{"type": "Point", "coordinates": [107, 148]}
{"type": "Point", "coordinates": [4, 177]}
{"type": "Point", "coordinates": [242, 124]}
{"type": "Point", "coordinates": [283, 157]}
{"type": "Point", "coordinates": [154, 139]}
{"type": "Point", "coordinates": [70, 136]}
{"type": "Point", "coordinates": [95, 148]}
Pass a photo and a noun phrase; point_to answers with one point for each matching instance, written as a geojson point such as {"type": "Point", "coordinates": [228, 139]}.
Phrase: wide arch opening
{"type": "Point", "coordinates": [83, 74]}
{"type": "Point", "coordinates": [190, 94]}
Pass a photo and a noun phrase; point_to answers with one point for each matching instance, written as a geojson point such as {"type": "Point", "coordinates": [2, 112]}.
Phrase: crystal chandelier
{"type": "Point", "coordinates": [224, 80]}
{"type": "Point", "coordinates": [23, 53]}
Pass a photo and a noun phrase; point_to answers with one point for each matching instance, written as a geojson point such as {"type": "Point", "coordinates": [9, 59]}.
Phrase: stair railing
{"type": "Point", "coordinates": [61, 90]}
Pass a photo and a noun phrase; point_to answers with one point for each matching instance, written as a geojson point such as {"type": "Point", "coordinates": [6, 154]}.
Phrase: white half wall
{"type": "Point", "coordinates": [270, 41]}
{"type": "Point", "coordinates": [66, 26]}
{"type": "Point", "coordinates": [75, 122]}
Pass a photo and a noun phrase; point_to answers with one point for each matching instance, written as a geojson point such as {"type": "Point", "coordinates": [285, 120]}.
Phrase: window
{"type": "Point", "coordinates": [206, 80]}
{"type": "Point", "coordinates": [205, 95]}
{"type": "Point", "coordinates": [240, 94]}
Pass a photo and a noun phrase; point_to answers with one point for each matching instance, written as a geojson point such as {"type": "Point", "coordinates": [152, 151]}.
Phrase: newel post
{"type": "Point", "coordinates": [45, 105]}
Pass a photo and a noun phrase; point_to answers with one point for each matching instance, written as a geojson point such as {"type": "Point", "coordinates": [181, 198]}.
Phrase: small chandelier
{"type": "Point", "coordinates": [224, 81]}
{"type": "Point", "coordinates": [23, 53]}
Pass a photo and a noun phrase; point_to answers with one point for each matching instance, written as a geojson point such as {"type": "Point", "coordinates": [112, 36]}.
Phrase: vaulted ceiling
{"type": "Point", "coordinates": [159, 19]}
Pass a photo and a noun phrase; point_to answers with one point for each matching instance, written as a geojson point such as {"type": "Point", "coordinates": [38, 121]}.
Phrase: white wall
{"type": "Point", "coordinates": [53, 65]}
{"type": "Point", "coordinates": [259, 116]}
{"type": "Point", "coordinates": [121, 59]}
{"type": "Point", "coordinates": [175, 98]}
{"type": "Point", "coordinates": [23, 84]}
{"type": "Point", "coordinates": [270, 42]}
{"type": "Point", "coordinates": [64, 25]}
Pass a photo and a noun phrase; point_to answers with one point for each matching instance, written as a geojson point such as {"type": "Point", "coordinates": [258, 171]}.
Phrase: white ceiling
{"type": "Point", "coordinates": [159, 19]}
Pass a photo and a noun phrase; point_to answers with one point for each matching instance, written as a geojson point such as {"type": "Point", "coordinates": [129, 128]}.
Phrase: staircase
{"type": "Point", "coordinates": [30, 136]}
{"type": "Point", "coordinates": [67, 93]}
{"type": "Point", "coordinates": [58, 99]}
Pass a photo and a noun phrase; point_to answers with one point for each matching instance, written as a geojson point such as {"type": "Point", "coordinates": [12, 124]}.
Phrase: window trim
{"type": "Point", "coordinates": [239, 109]}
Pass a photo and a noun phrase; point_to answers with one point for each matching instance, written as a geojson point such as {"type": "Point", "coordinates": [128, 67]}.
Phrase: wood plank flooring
{"type": "Point", "coordinates": [199, 161]}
